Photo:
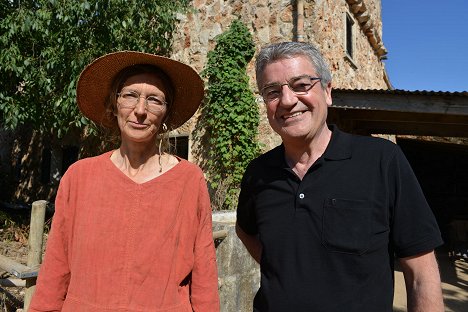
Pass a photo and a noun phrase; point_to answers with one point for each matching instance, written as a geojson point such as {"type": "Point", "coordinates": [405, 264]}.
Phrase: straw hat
{"type": "Point", "coordinates": [96, 79]}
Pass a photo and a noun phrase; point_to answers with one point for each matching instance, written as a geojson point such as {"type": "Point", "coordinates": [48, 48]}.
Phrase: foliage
{"type": "Point", "coordinates": [230, 115]}
{"type": "Point", "coordinates": [44, 45]}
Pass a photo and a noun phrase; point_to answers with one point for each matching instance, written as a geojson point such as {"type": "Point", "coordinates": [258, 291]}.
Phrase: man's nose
{"type": "Point", "coordinates": [288, 97]}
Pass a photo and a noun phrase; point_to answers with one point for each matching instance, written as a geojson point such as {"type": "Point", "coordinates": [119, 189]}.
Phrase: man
{"type": "Point", "coordinates": [326, 212]}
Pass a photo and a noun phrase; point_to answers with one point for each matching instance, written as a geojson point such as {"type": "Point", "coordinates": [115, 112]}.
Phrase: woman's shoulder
{"type": "Point", "coordinates": [189, 166]}
{"type": "Point", "coordinates": [89, 163]}
{"type": "Point", "coordinates": [191, 171]}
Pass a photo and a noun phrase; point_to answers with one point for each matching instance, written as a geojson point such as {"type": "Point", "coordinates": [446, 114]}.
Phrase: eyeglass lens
{"type": "Point", "coordinates": [130, 99]}
{"type": "Point", "coordinates": [299, 85]}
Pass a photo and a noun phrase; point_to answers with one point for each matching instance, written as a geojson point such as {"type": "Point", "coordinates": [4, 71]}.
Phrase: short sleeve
{"type": "Point", "coordinates": [414, 226]}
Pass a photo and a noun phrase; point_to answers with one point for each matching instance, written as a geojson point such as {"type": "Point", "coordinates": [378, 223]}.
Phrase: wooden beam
{"type": "Point", "coordinates": [36, 232]}
{"type": "Point", "coordinates": [220, 234]}
{"type": "Point", "coordinates": [17, 269]}
{"type": "Point", "coordinates": [367, 121]}
{"type": "Point", "coordinates": [12, 282]}
{"type": "Point", "coordinates": [408, 102]}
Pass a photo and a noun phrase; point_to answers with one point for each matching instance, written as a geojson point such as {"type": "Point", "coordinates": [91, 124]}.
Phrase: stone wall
{"type": "Point", "coordinates": [238, 272]}
{"type": "Point", "coordinates": [275, 21]}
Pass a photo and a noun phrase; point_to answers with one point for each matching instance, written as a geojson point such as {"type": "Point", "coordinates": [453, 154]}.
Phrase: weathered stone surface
{"type": "Point", "coordinates": [363, 18]}
{"type": "Point", "coordinates": [238, 272]}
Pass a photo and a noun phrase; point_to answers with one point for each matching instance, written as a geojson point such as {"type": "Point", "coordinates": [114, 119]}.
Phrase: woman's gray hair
{"type": "Point", "coordinates": [287, 50]}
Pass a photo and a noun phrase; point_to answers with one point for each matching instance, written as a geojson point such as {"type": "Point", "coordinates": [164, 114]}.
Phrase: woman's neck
{"type": "Point", "coordinates": [137, 154]}
{"type": "Point", "coordinates": [140, 162]}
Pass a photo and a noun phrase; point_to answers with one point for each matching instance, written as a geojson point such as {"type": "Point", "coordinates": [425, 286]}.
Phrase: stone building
{"type": "Point", "coordinates": [348, 33]}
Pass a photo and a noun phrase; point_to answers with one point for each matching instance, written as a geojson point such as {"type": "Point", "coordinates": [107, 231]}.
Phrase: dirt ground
{"type": "Point", "coordinates": [454, 275]}
{"type": "Point", "coordinates": [11, 298]}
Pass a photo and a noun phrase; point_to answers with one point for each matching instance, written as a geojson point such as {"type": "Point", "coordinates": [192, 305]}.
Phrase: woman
{"type": "Point", "coordinates": [132, 227]}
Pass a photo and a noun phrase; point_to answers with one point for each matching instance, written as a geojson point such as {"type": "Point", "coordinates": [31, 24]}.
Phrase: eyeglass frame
{"type": "Point", "coordinates": [161, 107]}
{"type": "Point", "coordinates": [312, 78]}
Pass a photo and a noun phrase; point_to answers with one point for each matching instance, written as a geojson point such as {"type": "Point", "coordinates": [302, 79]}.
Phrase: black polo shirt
{"type": "Point", "coordinates": [329, 240]}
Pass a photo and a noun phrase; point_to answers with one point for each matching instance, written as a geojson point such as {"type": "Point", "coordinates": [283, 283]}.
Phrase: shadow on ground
{"type": "Point", "coordinates": [454, 276]}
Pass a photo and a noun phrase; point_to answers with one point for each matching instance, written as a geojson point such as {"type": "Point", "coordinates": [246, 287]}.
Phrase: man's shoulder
{"type": "Point", "coordinates": [369, 143]}
{"type": "Point", "coordinates": [266, 162]}
{"type": "Point", "coordinates": [272, 157]}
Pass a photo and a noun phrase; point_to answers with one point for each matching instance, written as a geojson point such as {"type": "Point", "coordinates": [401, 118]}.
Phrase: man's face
{"type": "Point", "coordinates": [295, 116]}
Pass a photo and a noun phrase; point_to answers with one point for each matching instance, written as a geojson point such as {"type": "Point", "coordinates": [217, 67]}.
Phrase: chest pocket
{"type": "Point", "coordinates": [347, 225]}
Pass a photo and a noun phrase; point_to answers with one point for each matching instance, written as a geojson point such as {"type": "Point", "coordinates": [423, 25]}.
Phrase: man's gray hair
{"type": "Point", "coordinates": [287, 50]}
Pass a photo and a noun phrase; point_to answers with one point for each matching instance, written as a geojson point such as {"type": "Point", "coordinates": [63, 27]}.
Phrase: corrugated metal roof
{"type": "Point", "coordinates": [433, 113]}
{"type": "Point", "coordinates": [403, 92]}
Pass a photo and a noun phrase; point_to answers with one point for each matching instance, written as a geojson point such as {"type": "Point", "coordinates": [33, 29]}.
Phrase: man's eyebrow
{"type": "Point", "coordinates": [270, 84]}
{"type": "Point", "coordinates": [276, 83]}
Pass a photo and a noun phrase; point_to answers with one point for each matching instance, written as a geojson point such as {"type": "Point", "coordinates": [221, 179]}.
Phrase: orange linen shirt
{"type": "Point", "coordinates": [116, 245]}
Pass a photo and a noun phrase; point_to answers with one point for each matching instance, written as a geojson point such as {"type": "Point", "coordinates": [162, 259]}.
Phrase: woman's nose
{"type": "Point", "coordinates": [140, 107]}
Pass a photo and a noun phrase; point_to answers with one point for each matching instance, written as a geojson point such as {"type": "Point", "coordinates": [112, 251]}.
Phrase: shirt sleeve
{"type": "Point", "coordinates": [204, 284]}
{"type": "Point", "coordinates": [246, 217]}
{"type": "Point", "coordinates": [415, 229]}
{"type": "Point", "coordinates": [54, 274]}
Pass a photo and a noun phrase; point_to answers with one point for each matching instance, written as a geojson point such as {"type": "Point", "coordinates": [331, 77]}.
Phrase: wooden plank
{"type": "Point", "coordinates": [220, 234]}
{"type": "Point", "coordinates": [366, 121]}
{"type": "Point", "coordinates": [17, 269]}
{"type": "Point", "coordinates": [408, 102]}
{"type": "Point", "coordinates": [36, 232]}
{"type": "Point", "coordinates": [12, 282]}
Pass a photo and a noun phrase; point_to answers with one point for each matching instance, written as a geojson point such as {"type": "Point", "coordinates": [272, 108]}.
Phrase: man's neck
{"type": "Point", "coordinates": [301, 154]}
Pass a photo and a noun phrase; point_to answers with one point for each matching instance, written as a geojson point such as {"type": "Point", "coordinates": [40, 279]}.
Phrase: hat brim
{"type": "Point", "coordinates": [94, 86]}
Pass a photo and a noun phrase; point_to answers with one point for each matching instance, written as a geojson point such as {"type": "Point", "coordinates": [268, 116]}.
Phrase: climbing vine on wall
{"type": "Point", "coordinates": [230, 114]}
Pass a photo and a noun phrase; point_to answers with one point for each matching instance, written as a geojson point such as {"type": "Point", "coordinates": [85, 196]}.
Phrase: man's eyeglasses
{"type": "Point", "coordinates": [129, 99]}
{"type": "Point", "coordinates": [299, 85]}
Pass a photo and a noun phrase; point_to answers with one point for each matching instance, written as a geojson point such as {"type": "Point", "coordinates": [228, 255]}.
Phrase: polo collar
{"type": "Point", "coordinates": [277, 157]}
{"type": "Point", "coordinates": [338, 148]}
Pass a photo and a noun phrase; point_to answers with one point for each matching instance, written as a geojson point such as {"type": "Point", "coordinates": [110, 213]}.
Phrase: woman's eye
{"type": "Point", "coordinates": [129, 95]}
{"type": "Point", "coordinates": [154, 100]}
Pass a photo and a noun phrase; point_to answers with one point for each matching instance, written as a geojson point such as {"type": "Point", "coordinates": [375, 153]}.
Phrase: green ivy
{"type": "Point", "coordinates": [230, 114]}
{"type": "Point", "coordinates": [45, 44]}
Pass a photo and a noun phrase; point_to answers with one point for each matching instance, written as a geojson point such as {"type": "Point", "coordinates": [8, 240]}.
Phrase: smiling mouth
{"type": "Point", "coordinates": [292, 115]}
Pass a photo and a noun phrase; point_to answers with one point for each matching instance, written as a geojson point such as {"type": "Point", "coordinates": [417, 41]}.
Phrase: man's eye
{"type": "Point", "coordinates": [272, 92]}
{"type": "Point", "coordinates": [301, 86]}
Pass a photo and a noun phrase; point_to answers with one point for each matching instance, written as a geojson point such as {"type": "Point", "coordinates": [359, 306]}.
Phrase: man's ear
{"type": "Point", "coordinates": [328, 96]}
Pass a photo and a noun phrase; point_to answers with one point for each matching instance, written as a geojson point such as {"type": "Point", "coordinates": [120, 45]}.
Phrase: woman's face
{"type": "Point", "coordinates": [138, 124]}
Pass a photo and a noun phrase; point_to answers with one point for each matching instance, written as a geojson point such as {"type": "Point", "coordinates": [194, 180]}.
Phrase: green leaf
{"type": "Point", "coordinates": [45, 44]}
{"type": "Point", "coordinates": [229, 117]}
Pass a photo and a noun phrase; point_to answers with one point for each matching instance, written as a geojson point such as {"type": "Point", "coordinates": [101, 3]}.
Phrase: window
{"type": "Point", "coordinates": [349, 36]}
{"type": "Point", "coordinates": [180, 145]}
